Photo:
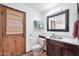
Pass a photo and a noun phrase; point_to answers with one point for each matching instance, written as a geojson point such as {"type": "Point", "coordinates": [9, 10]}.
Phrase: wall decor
{"type": "Point", "coordinates": [38, 24]}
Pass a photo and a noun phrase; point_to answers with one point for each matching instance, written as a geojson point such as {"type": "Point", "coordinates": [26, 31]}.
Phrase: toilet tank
{"type": "Point", "coordinates": [42, 42]}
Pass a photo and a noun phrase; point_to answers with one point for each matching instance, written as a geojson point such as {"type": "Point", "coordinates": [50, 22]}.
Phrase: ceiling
{"type": "Point", "coordinates": [42, 6]}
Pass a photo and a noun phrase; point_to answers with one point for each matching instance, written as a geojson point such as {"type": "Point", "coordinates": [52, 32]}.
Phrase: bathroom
{"type": "Point", "coordinates": [37, 26]}
{"type": "Point", "coordinates": [57, 8]}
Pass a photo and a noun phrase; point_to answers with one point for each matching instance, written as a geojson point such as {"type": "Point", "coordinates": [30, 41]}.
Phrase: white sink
{"type": "Point", "coordinates": [56, 37]}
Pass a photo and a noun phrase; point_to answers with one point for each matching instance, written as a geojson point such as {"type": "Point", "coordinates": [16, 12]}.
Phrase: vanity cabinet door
{"type": "Point", "coordinates": [50, 49]}
{"type": "Point", "coordinates": [67, 52]}
{"type": "Point", "coordinates": [57, 50]}
{"type": "Point", "coordinates": [53, 49]}
{"type": "Point", "coordinates": [76, 50]}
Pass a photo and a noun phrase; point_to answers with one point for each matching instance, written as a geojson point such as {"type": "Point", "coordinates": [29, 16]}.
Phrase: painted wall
{"type": "Point", "coordinates": [72, 18]}
{"type": "Point", "coordinates": [31, 15]}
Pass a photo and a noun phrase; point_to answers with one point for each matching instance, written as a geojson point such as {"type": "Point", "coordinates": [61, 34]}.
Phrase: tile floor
{"type": "Point", "coordinates": [31, 53]}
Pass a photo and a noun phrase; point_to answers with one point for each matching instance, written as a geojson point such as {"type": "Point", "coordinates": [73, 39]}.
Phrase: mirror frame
{"type": "Point", "coordinates": [66, 12]}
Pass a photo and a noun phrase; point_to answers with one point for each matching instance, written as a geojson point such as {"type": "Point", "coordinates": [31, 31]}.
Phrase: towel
{"type": "Point", "coordinates": [76, 29]}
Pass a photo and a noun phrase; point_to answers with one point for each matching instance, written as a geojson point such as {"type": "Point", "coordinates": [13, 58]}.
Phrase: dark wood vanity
{"type": "Point", "coordinates": [58, 48]}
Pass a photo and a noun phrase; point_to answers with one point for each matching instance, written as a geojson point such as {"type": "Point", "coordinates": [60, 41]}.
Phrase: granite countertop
{"type": "Point", "coordinates": [74, 41]}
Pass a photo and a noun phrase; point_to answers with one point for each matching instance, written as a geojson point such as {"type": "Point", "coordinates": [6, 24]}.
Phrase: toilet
{"type": "Point", "coordinates": [37, 47]}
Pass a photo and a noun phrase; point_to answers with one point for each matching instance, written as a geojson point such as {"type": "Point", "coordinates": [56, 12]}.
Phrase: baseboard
{"type": "Point", "coordinates": [29, 51]}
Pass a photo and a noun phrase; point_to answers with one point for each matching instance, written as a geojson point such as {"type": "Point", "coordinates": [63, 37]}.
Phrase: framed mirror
{"type": "Point", "coordinates": [58, 21]}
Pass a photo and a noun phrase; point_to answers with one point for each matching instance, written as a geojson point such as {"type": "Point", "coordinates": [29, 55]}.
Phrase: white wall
{"type": "Point", "coordinates": [72, 18]}
{"type": "Point", "coordinates": [31, 15]}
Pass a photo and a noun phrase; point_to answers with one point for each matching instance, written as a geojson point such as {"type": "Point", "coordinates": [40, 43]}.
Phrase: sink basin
{"type": "Point", "coordinates": [56, 37]}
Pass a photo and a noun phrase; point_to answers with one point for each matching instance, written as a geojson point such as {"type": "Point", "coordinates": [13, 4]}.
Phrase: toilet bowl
{"type": "Point", "coordinates": [37, 47]}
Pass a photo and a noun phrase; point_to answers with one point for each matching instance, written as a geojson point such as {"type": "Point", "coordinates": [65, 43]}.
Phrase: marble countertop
{"type": "Point", "coordinates": [67, 40]}
{"type": "Point", "coordinates": [74, 41]}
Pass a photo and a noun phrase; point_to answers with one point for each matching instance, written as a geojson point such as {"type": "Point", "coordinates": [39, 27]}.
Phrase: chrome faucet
{"type": "Point", "coordinates": [53, 36]}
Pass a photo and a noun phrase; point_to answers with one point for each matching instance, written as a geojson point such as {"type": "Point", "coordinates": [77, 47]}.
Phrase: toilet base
{"type": "Point", "coordinates": [37, 52]}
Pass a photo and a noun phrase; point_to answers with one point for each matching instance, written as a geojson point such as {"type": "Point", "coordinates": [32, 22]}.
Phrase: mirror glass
{"type": "Point", "coordinates": [59, 21]}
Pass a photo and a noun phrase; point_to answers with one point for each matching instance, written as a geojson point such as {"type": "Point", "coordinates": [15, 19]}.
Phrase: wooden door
{"type": "Point", "coordinates": [19, 45]}
{"type": "Point", "coordinates": [1, 30]}
{"type": "Point", "coordinates": [9, 45]}
{"type": "Point", "coordinates": [14, 33]}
